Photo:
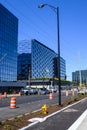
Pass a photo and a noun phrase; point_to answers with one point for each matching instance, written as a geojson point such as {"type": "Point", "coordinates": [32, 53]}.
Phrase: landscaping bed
{"type": "Point", "coordinates": [19, 122]}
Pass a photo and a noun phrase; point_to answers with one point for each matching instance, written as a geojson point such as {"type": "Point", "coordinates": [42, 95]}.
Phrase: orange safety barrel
{"type": "Point", "coordinates": [51, 96]}
{"type": "Point", "coordinates": [13, 102]}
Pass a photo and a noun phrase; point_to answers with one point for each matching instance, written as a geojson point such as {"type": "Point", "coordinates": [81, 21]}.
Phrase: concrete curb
{"type": "Point", "coordinates": [45, 118]}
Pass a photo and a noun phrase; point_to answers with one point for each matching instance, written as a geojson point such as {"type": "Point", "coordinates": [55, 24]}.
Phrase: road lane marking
{"type": "Point", "coordinates": [70, 110]}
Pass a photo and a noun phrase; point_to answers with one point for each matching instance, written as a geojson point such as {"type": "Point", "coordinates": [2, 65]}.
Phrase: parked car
{"type": "Point", "coordinates": [53, 90]}
{"type": "Point", "coordinates": [34, 91]}
{"type": "Point", "coordinates": [45, 91]}
{"type": "Point", "coordinates": [26, 91]}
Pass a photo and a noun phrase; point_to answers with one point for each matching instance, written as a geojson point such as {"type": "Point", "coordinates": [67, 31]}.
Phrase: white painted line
{"type": "Point", "coordinates": [37, 119]}
{"type": "Point", "coordinates": [70, 110]}
{"type": "Point", "coordinates": [76, 124]}
{"type": "Point", "coordinates": [36, 110]}
{"type": "Point", "coordinates": [26, 113]}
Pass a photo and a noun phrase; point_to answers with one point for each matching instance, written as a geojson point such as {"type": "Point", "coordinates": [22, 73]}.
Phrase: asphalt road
{"type": "Point", "coordinates": [31, 98]}
{"type": "Point", "coordinates": [26, 104]}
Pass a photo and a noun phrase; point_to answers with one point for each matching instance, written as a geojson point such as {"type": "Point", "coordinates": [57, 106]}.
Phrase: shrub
{"type": "Point", "coordinates": [8, 127]}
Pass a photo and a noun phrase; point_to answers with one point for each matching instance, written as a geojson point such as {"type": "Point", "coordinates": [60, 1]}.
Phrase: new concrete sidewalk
{"type": "Point", "coordinates": [80, 123]}
{"type": "Point", "coordinates": [83, 125]}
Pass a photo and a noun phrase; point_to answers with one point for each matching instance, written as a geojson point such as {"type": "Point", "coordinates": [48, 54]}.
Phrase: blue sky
{"type": "Point", "coordinates": [41, 24]}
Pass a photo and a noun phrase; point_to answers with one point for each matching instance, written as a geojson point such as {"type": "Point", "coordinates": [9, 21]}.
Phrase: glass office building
{"type": "Point", "coordinates": [24, 65]}
{"type": "Point", "coordinates": [42, 61]}
{"type": "Point", "coordinates": [24, 46]}
{"type": "Point", "coordinates": [24, 60]}
{"type": "Point", "coordinates": [8, 45]}
{"type": "Point", "coordinates": [80, 75]}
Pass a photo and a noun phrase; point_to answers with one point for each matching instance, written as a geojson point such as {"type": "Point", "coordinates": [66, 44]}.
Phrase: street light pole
{"type": "Point", "coordinates": [59, 55]}
{"type": "Point", "coordinates": [58, 59]}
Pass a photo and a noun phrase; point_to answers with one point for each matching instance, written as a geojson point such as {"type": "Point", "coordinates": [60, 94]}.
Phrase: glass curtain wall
{"type": "Point", "coordinates": [8, 45]}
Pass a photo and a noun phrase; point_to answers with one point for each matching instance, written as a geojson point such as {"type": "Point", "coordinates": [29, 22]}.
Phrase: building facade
{"type": "Point", "coordinates": [43, 62]}
{"type": "Point", "coordinates": [24, 65]}
{"type": "Point", "coordinates": [80, 76]}
{"type": "Point", "coordinates": [8, 45]}
{"type": "Point", "coordinates": [24, 60]}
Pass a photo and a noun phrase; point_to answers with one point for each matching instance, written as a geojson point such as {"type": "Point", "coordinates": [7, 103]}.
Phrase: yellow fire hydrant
{"type": "Point", "coordinates": [44, 109]}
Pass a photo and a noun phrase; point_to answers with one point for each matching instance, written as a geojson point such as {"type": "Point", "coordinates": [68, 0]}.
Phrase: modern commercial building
{"type": "Point", "coordinates": [8, 45]}
{"type": "Point", "coordinates": [24, 63]}
{"type": "Point", "coordinates": [80, 76]}
{"type": "Point", "coordinates": [24, 59]}
{"type": "Point", "coordinates": [39, 62]}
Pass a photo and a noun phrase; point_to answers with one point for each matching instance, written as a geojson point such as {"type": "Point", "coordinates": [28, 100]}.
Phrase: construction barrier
{"type": "Point", "coordinates": [67, 93]}
{"type": "Point", "coordinates": [5, 94]}
{"type": "Point", "coordinates": [51, 96]}
{"type": "Point", "coordinates": [13, 102]}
